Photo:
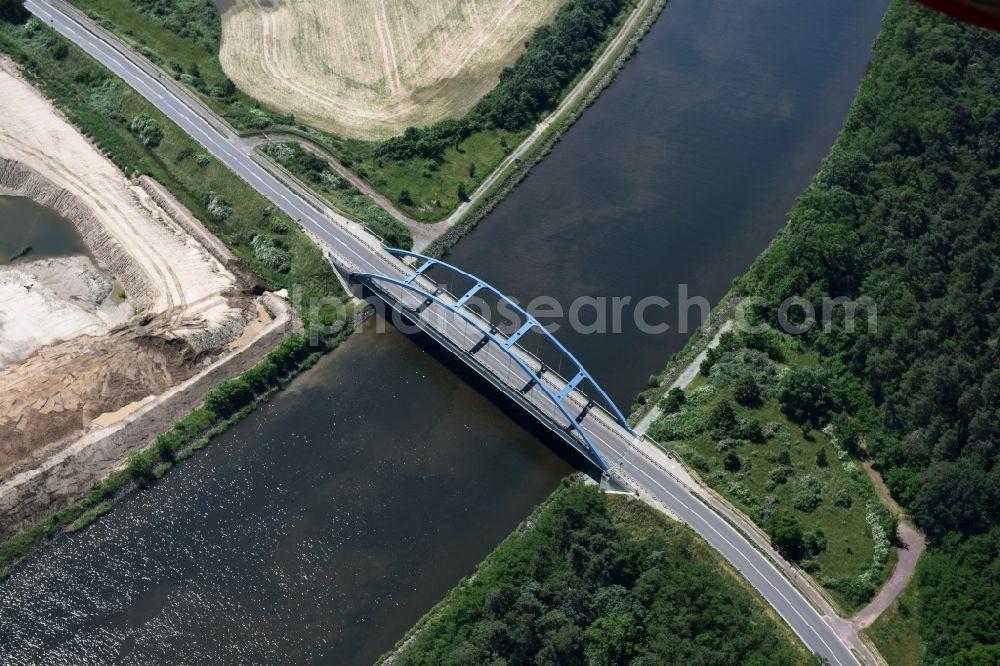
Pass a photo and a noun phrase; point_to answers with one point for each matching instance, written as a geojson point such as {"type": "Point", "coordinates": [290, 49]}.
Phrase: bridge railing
{"type": "Point", "coordinates": [551, 377]}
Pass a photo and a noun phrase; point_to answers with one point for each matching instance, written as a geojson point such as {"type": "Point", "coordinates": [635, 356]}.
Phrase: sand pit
{"type": "Point", "coordinates": [371, 68]}
{"type": "Point", "coordinates": [68, 294]}
{"type": "Point", "coordinates": [72, 359]}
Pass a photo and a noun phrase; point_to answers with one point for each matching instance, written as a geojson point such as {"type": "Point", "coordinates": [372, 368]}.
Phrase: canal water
{"type": "Point", "coordinates": [327, 523]}
{"type": "Point", "coordinates": [29, 231]}
{"type": "Point", "coordinates": [679, 175]}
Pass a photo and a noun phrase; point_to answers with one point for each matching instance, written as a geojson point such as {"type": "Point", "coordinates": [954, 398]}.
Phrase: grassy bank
{"type": "Point", "coordinates": [429, 171]}
{"type": "Point", "coordinates": [758, 426]}
{"type": "Point", "coordinates": [593, 579]}
{"type": "Point", "coordinates": [140, 140]}
{"type": "Point", "coordinates": [315, 172]}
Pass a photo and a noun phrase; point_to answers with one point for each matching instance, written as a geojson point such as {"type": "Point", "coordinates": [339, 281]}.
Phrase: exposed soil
{"type": "Point", "coordinates": [70, 354]}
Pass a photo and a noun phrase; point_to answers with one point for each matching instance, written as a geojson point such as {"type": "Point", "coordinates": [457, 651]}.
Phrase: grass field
{"type": "Point", "coordinates": [315, 173]}
{"type": "Point", "coordinates": [780, 471]}
{"type": "Point", "coordinates": [371, 68]}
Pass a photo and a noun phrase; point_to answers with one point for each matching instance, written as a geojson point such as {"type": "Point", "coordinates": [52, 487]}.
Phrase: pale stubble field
{"type": "Point", "coordinates": [369, 69]}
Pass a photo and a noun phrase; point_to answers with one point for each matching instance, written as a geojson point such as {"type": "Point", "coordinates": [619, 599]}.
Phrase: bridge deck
{"type": "Point", "coordinates": [574, 415]}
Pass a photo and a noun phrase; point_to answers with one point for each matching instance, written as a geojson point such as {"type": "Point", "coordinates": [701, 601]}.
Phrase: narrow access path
{"type": "Point", "coordinates": [684, 379]}
{"type": "Point", "coordinates": [911, 545]}
{"type": "Point", "coordinates": [418, 229]}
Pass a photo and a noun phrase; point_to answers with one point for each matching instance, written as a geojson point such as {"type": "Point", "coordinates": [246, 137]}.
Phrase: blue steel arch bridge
{"type": "Point", "coordinates": [573, 406]}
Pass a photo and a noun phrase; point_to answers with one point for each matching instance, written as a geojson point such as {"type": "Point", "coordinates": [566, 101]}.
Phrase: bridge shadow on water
{"type": "Point", "coordinates": [478, 383]}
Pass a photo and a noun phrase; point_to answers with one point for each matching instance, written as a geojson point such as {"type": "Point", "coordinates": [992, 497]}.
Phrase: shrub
{"type": "Point", "coordinates": [730, 367]}
{"type": "Point", "coordinates": [843, 498]}
{"type": "Point", "coordinates": [722, 418]}
{"type": "Point", "coordinates": [807, 498]}
{"type": "Point", "coordinates": [217, 207]}
{"type": "Point", "coordinates": [732, 461]}
{"type": "Point", "coordinates": [679, 425]}
{"type": "Point", "coordinates": [673, 401]}
{"type": "Point", "coordinates": [815, 542]}
{"type": "Point", "coordinates": [768, 341]}
{"type": "Point", "coordinates": [749, 429]}
{"type": "Point", "coordinates": [268, 251]}
{"type": "Point", "coordinates": [144, 127]}
{"type": "Point", "coordinates": [727, 444]}
{"type": "Point", "coordinates": [786, 535]}
{"type": "Point", "coordinates": [740, 492]}
{"type": "Point", "coordinates": [808, 394]}
{"type": "Point", "coordinates": [107, 99]}
{"type": "Point", "coordinates": [780, 474]}
{"type": "Point", "coordinates": [746, 391]}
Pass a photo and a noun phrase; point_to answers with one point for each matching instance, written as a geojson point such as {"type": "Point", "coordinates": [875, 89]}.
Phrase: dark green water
{"type": "Point", "coordinates": [26, 224]}
{"type": "Point", "coordinates": [324, 526]}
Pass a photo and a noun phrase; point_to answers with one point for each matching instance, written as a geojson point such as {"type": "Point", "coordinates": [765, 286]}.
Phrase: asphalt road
{"type": "Point", "coordinates": [631, 462]}
{"type": "Point", "coordinates": [349, 242]}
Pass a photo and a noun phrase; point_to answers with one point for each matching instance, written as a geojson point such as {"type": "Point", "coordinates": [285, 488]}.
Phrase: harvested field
{"type": "Point", "coordinates": [70, 359]}
{"type": "Point", "coordinates": [369, 69]}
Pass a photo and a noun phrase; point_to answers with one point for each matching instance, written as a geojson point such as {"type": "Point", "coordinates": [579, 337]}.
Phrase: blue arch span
{"type": "Point", "coordinates": [556, 399]}
{"type": "Point", "coordinates": [530, 324]}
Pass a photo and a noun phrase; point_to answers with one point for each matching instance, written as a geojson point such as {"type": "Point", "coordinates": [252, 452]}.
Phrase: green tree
{"type": "Point", "coordinates": [611, 640]}
{"type": "Point", "coordinates": [786, 535]}
{"type": "Point", "coordinates": [13, 11]}
{"type": "Point", "coordinates": [673, 401]}
{"type": "Point", "coordinates": [732, 461]}
{"type": "Point", "coordinates": [722, 418]}
{"type": "Point", "coordinates": [746, 391]}
{"type": "Point", "coordinates": [808, 393]}
{"type": "Point", "coordinates": [956, 497]}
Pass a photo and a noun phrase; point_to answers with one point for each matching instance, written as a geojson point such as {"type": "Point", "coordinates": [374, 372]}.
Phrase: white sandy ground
{"type": "Point", "coordinates": [70, 358]}
{"type": "Point", "coordinates": [54, 299]}
{"type": "Point", "coordinates": [180, 280]}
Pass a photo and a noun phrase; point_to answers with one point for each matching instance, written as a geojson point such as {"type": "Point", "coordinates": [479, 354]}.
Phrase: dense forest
{"type": "Point", "coordinates": [532, 86]}
{"type": "Point", "coordinates": [586, 583]}
{"type": "Point", "coordinates": [905, 212]}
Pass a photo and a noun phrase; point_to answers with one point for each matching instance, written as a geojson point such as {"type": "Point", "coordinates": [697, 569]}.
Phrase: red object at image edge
{"type": "Point", "coordinates": [981, 12]}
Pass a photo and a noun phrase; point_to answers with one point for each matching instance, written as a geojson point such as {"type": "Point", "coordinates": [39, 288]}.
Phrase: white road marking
{"type": "Point", "coordinates": [187, 115]}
